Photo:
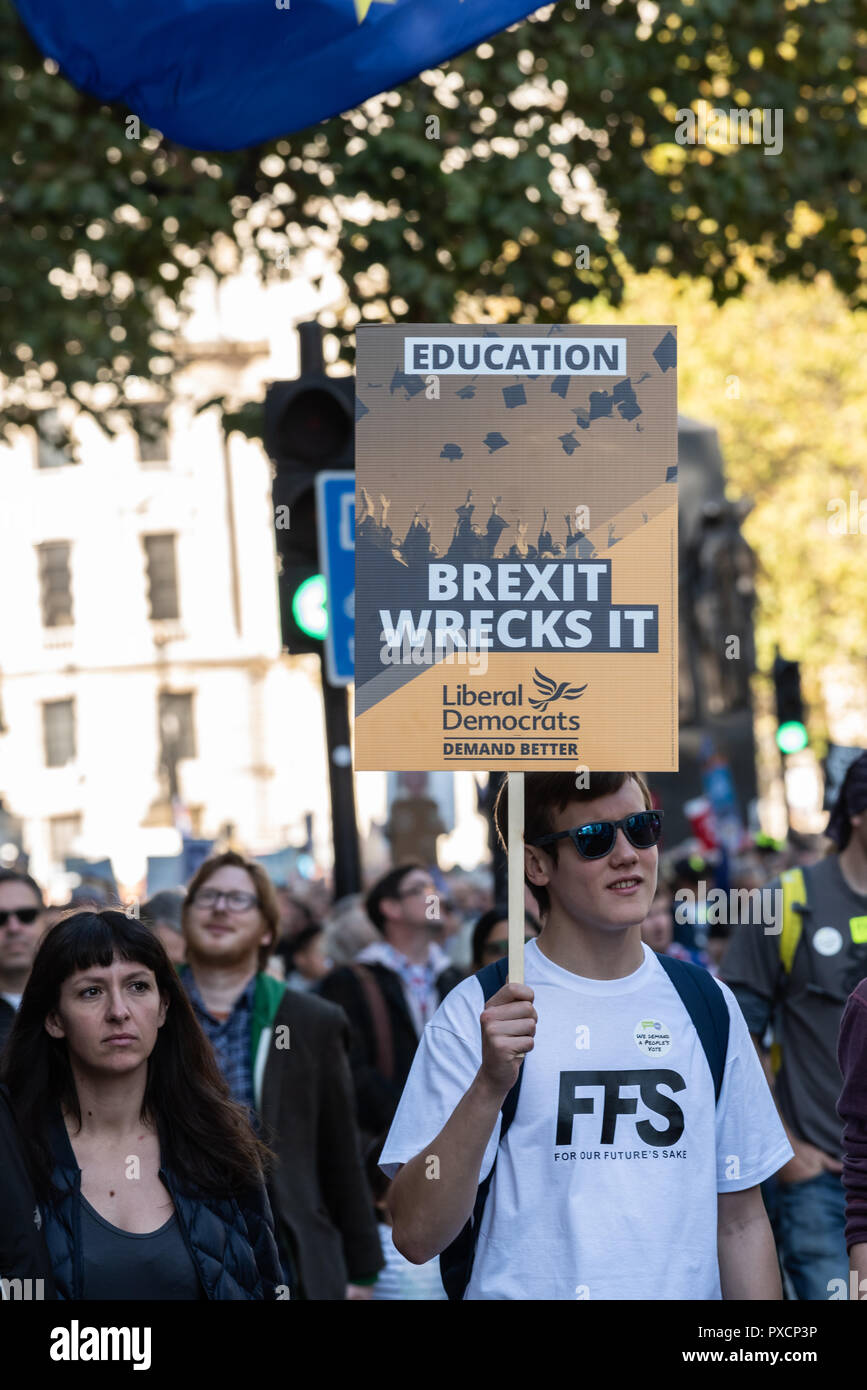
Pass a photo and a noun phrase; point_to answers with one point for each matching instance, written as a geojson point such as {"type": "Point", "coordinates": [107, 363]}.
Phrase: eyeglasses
{"type": "Point", "coordinates": [235, 901]}
{"type": "Point", "coordinates": [414, 892]}
{"type": "Point", "coordinates": [25, 915]}
{"type": "Point", "coordinates": [593, 841]}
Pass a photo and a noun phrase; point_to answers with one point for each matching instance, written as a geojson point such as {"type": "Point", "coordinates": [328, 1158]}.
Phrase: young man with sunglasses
{"type": "Point", "coordinates": [21, 924]}
{"type": "Point", "coordinates": [620, 1176]}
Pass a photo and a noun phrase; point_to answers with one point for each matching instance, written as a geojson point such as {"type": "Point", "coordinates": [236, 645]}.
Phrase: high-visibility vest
{"type": "Point", "coordinates": [794, 896]}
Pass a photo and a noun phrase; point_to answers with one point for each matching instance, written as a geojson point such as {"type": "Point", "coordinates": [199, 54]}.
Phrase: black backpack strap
{"type": "Point", "coordinates": [705, 1003]}
{"type": "Point", "coordinates": [456, 1261]}
{"type": "Point", "coordinates": [493, 977]}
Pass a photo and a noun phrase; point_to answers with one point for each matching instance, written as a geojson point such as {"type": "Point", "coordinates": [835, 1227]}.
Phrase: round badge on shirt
{"type": "Point", "coordinates": [828, 941]}
{"type": "Point", "coordinates": [652, 1037]}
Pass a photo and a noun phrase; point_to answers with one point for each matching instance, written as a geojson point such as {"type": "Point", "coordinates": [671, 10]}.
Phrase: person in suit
{"type": "Point", "coordinates": [391, 990]}
{"type": "Point", "coordinates": [22, 922]}
{"type": "Point", "coordinates": [284, 1055]}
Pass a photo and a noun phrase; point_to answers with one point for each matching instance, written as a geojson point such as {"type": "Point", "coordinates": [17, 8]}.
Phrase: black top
{"type": "Point", "coordinates": [230, 1241]}
{"type": "Point", "coordinates": [123, 1265]}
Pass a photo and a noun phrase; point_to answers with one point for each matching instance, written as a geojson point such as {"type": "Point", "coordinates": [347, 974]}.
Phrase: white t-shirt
{"type": "Point", "coordinates": [606, 1182]}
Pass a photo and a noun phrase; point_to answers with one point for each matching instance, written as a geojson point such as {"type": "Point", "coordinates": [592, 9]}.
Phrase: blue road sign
{"type": "Point", "coordinates": [335, 513]}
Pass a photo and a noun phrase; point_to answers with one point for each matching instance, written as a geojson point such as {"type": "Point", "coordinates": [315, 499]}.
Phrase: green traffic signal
{"type": "Point", "coordinates": [792, 736]}
{"type": "Point", "coordinates": [309, 607]}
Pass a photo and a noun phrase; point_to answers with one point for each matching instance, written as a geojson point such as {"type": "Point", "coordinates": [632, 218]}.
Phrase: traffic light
{"type": "Point", "coordinates": [792, 733]}
{"type": "Point", "coordinates": [309, 426]}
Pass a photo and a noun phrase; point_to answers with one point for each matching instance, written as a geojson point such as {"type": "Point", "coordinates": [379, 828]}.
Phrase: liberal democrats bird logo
{"type": "Point", "coordinates": [550, 691]}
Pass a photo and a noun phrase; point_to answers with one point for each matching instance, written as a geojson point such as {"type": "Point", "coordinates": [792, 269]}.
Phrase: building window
{"type": "Point", "coordinates": [55, 580]}
{"type": "Point", "coordinates": [53, 445]}
{"type": "Point", "coordinates": [177, 727]}
{"type": "Point", "coordinates": [63, 831]}
{"type": "Point", "coordinates": [162, 570]}
{"type": "Point", "coordinates": [152, 433]}
{"type": "Point", "coordinates": [58, 730]}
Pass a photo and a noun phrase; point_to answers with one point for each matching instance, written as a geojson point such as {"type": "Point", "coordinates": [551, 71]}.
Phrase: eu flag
{"type": "Point", "coordinates": [222, 74]}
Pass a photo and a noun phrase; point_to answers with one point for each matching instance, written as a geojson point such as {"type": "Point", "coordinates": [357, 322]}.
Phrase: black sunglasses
{"type": "Point", "coordinates": [594, 841]}
{"type": "Point", "coordinates": [25, 915]}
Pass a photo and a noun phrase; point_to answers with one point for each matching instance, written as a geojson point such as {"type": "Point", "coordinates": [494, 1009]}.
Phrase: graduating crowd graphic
{"type": "Point", "coordinates": [469, 541]}
{"type": "Point", "coordinates": [514, 535]}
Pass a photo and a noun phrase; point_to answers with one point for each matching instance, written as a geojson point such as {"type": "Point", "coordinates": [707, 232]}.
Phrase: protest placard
{"type": "Point", "coordinates": [516, 547]}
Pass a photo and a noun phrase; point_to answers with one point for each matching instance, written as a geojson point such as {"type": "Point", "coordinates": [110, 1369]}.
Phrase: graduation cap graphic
{"type": "Point", "coordinates": [494, 441]}
{"type": "Point", "coordinates": [666, 353]}
{"type": "Point", "coordinates": [514, 396]}
{"type": "Point", "coordinates": [410, 384]}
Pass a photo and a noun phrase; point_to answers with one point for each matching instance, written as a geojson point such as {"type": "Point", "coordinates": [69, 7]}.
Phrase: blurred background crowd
{"type": "Point", "coordinates": [388, 954]}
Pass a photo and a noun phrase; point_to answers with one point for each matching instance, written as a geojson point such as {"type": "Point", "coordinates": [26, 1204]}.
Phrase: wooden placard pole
{"type": "Point", "coordinates": [516, 878]}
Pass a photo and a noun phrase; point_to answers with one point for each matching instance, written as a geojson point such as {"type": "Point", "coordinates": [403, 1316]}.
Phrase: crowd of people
{"type": "Point", "coordinates": [244, 1091]}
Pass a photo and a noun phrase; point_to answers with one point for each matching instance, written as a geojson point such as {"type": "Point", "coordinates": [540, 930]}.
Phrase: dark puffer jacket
{"type": "Point", "coordinates": [22, 1249]}
{"type": "Point", "coordinates": [231, 1241]}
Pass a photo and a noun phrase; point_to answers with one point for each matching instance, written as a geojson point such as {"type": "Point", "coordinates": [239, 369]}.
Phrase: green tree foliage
{"type": "Point", "coordinates": [560, 133]}
{"type": "Point", "coordinates": [781, 372]}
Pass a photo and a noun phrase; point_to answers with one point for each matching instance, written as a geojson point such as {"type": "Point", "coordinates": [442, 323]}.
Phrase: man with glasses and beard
{"type": "Point", "coordinates": [21, 927]}
{"type": "Point", "coordinates": [630, 1166]}
{"type": "Point", "coordinates": [284, 1056]}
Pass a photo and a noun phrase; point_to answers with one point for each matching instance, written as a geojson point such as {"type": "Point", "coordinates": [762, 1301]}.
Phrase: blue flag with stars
{"type": "Point", "coordinates": [224, 74]}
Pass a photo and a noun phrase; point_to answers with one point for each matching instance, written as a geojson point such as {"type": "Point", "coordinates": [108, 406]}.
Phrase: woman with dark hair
{"type": "Point", "coordinates": [148, 1176]}
{"type": "Point", "coordinates": [491, 936]}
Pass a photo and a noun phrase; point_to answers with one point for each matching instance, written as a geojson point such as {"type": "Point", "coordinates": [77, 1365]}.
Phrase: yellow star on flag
{"type": "Point", "coordinates": [362, 6]}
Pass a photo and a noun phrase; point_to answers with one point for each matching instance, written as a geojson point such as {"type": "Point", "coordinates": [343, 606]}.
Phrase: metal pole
{"type": "Point", "coordinates": [784, 762]}
{"type": "Point", "coordinates": [347, 859]}
{"type": "Point", "coordinates": [310, 337]}
{"type": "Point", "coordinates": [344, 828]}
{"type": "Point", "coordinates": [231, 528]}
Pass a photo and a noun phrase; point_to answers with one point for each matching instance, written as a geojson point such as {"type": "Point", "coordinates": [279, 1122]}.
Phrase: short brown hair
{"type": "Point", "coordinates": [18, 876]}
{"type": "Point", "coordinates": [264, 892]}
{"type": "Point", "coordinates": [546, 793]}
{"type": "Point", "coordinates": [387, 887]}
